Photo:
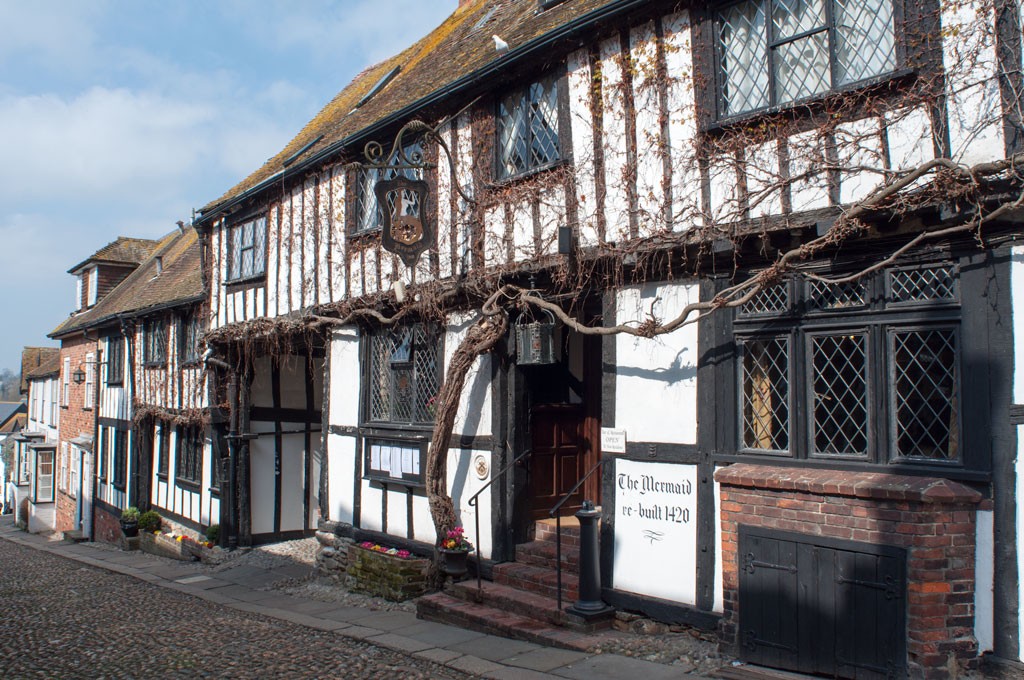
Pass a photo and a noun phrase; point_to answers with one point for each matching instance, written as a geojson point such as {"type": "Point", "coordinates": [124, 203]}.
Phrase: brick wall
{"type": "Point", "coordinates": [75, 419]}
{"type": "Point", "coordinates": [933, 519]}
{"type": "Point", "coordinates": [107, 526]}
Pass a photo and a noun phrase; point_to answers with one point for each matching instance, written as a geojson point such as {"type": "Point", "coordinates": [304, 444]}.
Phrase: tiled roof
{"type": "Point", "coordinates": [123, 250]}
{"type": "Point", "coordinates": [50, 366]}
{"type": "Point", "coordinates": [34, 357]}
{"type": "Point", "coordinates": [456, 50]}
{"type": "Point", "coordinates": [180, 281]}
{"type": "Point", "coordinates": [9, 415]}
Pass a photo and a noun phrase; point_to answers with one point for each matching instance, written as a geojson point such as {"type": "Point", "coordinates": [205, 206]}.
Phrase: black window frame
{"type": "Point", "coordinates": [119, 464]}
{"type": "Point", "coordinates": [365, 179]}
{"type": "Point", "coordinates": [154, 342]}
{"type": "Point", "coordinates": [188, 461]}
{"type": "Point", "coordinates": [424, 337]}
{"type": "Point", "coordinates": [716, 99]}
{"type": "Point", "coordinates": [163, 452]}
{"type": "Point", "coordinates": [558, 80]}
{"type": "Point", "coordinates": [235, 234]}
{"type": "Point", "coordinates": [878, 319]}
{"type": "Point", "coordinates": [190, 333]}
{"type": "Point", "coordinates": [115, 360]}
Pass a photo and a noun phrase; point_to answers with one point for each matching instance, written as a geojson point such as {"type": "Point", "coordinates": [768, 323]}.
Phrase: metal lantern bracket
{"type": "Point", "coordinates": [535, 339]}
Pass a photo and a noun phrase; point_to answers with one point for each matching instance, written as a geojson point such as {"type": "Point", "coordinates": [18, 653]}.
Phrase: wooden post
{"type": "Point", "coordinates": [244, 485]}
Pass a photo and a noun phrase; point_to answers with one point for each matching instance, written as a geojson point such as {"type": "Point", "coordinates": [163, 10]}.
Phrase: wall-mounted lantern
{"type": "Point", "coordinates": [535, 340]}
{"type": "Point", "coordinates": [78, 376]}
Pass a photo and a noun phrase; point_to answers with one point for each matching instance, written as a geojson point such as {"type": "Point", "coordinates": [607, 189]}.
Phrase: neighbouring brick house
{"type": "Point", "coordinates": [824, 468]}
{"type": "Point", "coordinates": [81, 362]}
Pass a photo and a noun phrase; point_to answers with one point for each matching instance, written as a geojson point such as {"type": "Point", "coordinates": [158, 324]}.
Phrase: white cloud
{"type": "Point", "coordinates": [61, 34]}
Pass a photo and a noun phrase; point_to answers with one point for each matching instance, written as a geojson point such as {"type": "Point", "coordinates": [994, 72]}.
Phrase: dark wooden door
{"type": "Point", "coordinates": [559, 456]}
{"type": "Point", "coordinates": [823, 607]}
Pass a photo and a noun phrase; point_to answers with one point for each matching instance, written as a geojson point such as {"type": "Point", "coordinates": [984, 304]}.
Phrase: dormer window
{"type": "Point", "coordinates": [528, 137]}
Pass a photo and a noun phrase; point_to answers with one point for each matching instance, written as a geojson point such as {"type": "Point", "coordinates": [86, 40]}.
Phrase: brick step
{"type": "Point", "coordinates": [545, 532]}
{"type": "Point", "coordinates": [443, 608]}
{"type": "Point", "coordinates": [540, 580]}
{"type": "Point", "coordinates": [542, 554]}
{"type": "Point", "coordinates": [509, 599]}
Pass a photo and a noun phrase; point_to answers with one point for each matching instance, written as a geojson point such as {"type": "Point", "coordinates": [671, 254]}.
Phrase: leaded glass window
{"type": "Point", "coordinates": [527, 125]}
{"type": "Point", "coordinates": [765, 386]}
{"type": "Point", "coordinates": [405, 374]}
{"type": "Point", "coordinates": [368, 213]}
{"type": "Point", "coordinates": [154, 341]}
{"type": "Point", "coordinates": [247, 248]}
{"type": "Point", "coordinates": [924, 394]}
{"type": "Point", "coordinates": [772, 52]}
{"type": "Point", "coordinates": [115, 360]}
{"type": "Point", "coordinates": [838, 388]}
{"type": "Point", "coordinates": [189, 462]}
{"type": "Point", "coordinates": [191, 334]}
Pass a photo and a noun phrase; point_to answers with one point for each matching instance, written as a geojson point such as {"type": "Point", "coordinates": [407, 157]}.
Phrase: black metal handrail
{"type": "Point", "coordinates": [472, 502]}
{"type": "Point", "coordinates": [558, 524]}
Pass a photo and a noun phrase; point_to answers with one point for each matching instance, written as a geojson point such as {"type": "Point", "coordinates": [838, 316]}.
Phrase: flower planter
{"type": "Point", "coordinates": [454, 563]}
{"type": "Point", "coordinates": [389, 576]}
{"type": "Point", "coordinates": [129, 529]}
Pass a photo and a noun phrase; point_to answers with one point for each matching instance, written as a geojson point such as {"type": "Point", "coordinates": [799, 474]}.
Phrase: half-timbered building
{"type": "Point", "coordinates": [823, 466]}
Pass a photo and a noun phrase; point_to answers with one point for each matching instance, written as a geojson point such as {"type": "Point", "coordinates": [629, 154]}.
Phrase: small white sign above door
{"type": "Point", "coordinates": [613, 441]}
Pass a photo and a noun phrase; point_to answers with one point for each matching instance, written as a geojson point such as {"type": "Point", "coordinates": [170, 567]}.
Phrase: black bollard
{"type": "Point", "coordinates": [590, 606]}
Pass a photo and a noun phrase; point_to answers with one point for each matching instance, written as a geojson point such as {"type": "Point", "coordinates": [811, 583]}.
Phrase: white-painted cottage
{"type": "Point", "coordinates": [824, 466]}
{"type": "Point", "coordinates": [35, 476]}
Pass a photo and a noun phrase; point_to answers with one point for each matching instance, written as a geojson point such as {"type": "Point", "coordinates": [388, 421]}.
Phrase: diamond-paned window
{"type": "Point", "coordinates": [247, 247]}
{"type": "Point", "coordinates": [839, 393]}
{"type": "Point", "coordinates": [765, 399]}
{"type": "Point", "coordinates": [836, 372]}
{"type": "Point", "coordinates": [925, 403]}
{"type": "Point", "coordinates": [368, 214]}
{"type": "Point", "coordinates": [527, 128]}
{"type": "Point", "coordinates": [922, 285]}
{"type": "Point", "coordinates": [405, 374]}
{"type": "Point", "coordinates": [772, 52]}
{"type": "Point", "coordinates": [837, 295]}
{"type": "Point", "coordinates": [772, 299]}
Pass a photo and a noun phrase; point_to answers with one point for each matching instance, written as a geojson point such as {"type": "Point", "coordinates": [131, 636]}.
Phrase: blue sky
{"type": "Point", "coordinates": [119, 117]}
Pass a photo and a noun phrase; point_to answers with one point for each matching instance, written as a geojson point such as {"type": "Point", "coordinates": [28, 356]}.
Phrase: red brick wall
{"type": "Point", "coordinates": [106, 526]}
{"type": "Point", "coordinates": [933, 519]}
{"type": "Point", "coordinates": [75, 419]}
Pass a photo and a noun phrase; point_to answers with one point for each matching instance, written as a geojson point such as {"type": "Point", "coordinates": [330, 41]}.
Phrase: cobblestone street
{"type": "Point", "coordinates": [62, 619]}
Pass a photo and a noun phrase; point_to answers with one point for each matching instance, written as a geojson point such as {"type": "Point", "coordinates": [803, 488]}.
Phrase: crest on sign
{"type": "Point", "coordinates": [405, 230]}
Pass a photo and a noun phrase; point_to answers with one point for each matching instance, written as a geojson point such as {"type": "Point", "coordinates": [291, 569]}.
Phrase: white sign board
{"type": "Point", "coordinates": [613, 441]}
{"type": "Point", "coordinates": [656, 530]}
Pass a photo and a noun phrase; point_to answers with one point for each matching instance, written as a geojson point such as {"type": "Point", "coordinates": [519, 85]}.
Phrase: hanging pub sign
{"type": "Point", "coordinates": [405, 230]}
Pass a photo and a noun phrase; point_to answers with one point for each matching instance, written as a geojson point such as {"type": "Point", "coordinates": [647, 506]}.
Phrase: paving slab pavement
{"type": "Point", "coordinates": [469, 651]}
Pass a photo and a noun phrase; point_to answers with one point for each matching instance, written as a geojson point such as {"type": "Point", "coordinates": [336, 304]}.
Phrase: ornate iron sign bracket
{"type": "Point", "coordinates": [403, 201]}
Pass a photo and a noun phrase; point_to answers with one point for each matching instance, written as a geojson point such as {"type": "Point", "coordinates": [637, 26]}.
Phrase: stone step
{"type": "Point", "coordinates": [444, 608]}
{"type": "Point", "coordinates": [542, 554]}
{"type": "Point", "coordinates": [75, 536]}
{"type": "Point", "coordinates": [534, 579]}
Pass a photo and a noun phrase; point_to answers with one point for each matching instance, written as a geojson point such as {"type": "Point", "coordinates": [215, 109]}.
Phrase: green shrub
{"type": "Point", "coordinates": [150, 521]}
{"type": "Point", "coordinates": [130, 514]}
{"type": "Point", "coordinates": [213, 533]}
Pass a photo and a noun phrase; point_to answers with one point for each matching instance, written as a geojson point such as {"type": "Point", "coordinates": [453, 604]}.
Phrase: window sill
{"type": "Point", "coordinates": [155, 364]}
{"type": "Point", "coordinates": [814, 103]}
{"type": "Point", "coordinates": [191, 363]}
{"type": "Point", "coordinates": [119, 383]}
{"type": "Point", "coordinates": [247, 282]}
{"type": "Point", "coordinates": [934, 470]}
{"type": "Point", "coordinates": [528, 174]}
{"type": "Point", "coordinates": [162, 476]}
{"type": "Point", "coordinates": [187, 485]}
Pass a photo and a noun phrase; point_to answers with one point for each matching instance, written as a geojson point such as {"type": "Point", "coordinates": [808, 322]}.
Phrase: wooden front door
{"type": "Point", "coordinates": [565, 428]}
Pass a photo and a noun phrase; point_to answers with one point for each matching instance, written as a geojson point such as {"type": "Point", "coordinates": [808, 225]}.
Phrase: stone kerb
{"type": "Point", "coordinates": [389, 576]}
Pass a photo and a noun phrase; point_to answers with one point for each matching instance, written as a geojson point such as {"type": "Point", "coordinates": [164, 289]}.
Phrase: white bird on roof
{"type": "Point", "coordinates": [500, 45]}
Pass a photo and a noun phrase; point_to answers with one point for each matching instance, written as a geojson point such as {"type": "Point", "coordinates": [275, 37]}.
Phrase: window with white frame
{"type": "Point", "coordinates": [772, 52]}
{"type": "Point", "coordinates": [65, 378]}
{"type": "Point", "coordinates": [26, 464]}
{"type": "Point", "coordinates": [54, 403]}
{"type": "Point", "coordinates": [247, 244]}
{"type": "Point", "coordinates": [62, 479]}
{"type": "Point", "coordinates": [405, 374]}
{"type": "Point", "coordinates": [527, 128]}
{"type": "Point", "coordinates": [90, 380]}
{"type": "Point", "coordinates": [154, 342]}
{"type": "Point", "coordinates": [115, 360]}
{"type": "Point", "coordinates": [73, 464]}
{"type": "Point", "coordinates": [818, 364]}
{"type": "Point", "coordinates": [368, 215]}
{"type": "Point", "coordinates": [43, 492]}
{"type": "Point", "coordinates": [94, 285]}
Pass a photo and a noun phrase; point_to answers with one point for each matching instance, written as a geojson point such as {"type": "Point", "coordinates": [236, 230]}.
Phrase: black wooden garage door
{"type": "Point", "coordinates": [816, 605]}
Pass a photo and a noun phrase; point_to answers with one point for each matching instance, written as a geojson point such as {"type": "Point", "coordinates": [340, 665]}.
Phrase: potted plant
{"type": "Point", "coordinates": [150, 521]}
{"type": "Point", "coordinates": [454, 550]}
{"type": "Point", "coordinates": [130, 521]}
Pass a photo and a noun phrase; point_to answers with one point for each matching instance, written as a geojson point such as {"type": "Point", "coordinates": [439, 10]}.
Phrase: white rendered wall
{"type": "Point", "coordinates": [984, 575]}
{"type": "Point", "coordinates": [656, 378]}
{"type": "Point", "coordinates": [1017, 301]}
